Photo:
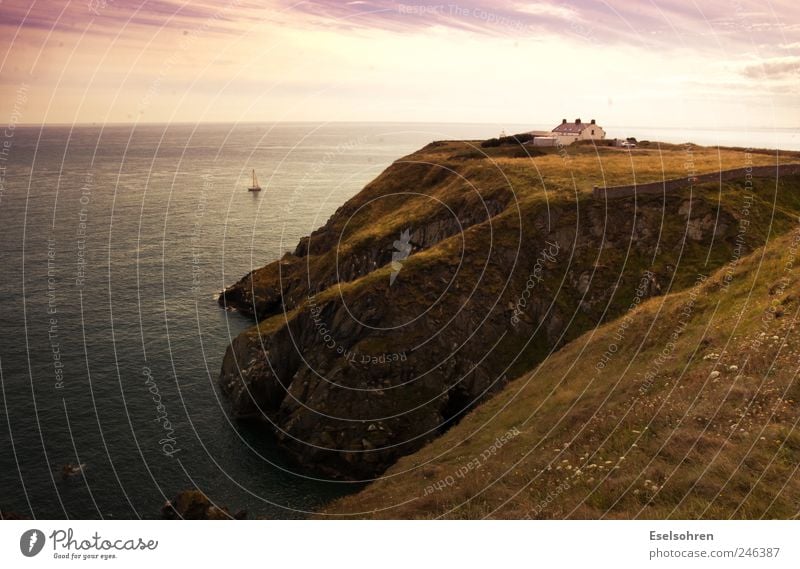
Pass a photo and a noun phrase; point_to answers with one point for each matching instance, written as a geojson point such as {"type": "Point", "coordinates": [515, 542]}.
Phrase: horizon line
{"type": "Point", "coordinates": [317, 122]}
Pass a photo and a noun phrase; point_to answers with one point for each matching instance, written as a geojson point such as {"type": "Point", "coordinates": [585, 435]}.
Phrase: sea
{"type": "Point", "coordinates": [116, 241]}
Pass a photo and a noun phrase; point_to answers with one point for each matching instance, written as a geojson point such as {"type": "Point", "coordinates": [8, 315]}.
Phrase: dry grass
{"type": "Point", "coordinates": [712, 436]}
{"type": "Point", "coordinates": [609, 443]}
{"type": "Point", "coordinates": [578, 167]}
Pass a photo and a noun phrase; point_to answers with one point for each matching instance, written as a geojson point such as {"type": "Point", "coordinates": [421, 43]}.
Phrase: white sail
{"type": "Point", "coordinates": [254, 187]}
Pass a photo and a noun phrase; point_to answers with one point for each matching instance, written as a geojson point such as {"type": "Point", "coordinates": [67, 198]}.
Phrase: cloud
{"type": "Point", "coordinates": [112, 14]}
{"type": "Point", "coordinates": [502, 17]}
{"type": "Point", "coordinates": [545, 9]}
{"type": "Point", "coordinates": [656, 24]}
{"type": "Point", "coordinates": [775, 68]}
{"type": "Point", "coordinates": [393, 58]}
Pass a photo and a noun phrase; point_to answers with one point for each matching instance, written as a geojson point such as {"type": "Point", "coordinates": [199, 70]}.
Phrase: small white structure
{"type": "Point", "coordinates": [544, 141]}
{"type": "Point", "coordinates": [567, 132]}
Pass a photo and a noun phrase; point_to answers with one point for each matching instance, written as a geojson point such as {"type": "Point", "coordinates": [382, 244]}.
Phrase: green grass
{"type": "Point", "coordinates": [708, 448]}
{"type": "Point", "coordinates": [684, 446]}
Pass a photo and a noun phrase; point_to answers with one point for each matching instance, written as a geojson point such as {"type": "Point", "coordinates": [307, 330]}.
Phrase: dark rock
{"type": "Point", "coordinates": [6, 515]}
{"type": "Point", "coordinates": [194, 505]}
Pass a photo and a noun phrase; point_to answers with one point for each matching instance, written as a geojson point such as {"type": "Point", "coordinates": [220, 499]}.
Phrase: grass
{"type": "Point", "coordinates": [666, 434]}
{"type": "Point", "coordinates": [430, 184]}
{"type": "Point", "coordinates": [578, 167]}
{"type": "Point", "coordinates": [712, 436]}
{"type": "Point", "coordinates": [593, 442]}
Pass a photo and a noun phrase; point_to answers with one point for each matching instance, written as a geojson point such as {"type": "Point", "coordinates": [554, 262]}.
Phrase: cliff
{"type": "Point", "coordinates": [686, 407]}
{"type": "Point", "coordinates": [457, 269]}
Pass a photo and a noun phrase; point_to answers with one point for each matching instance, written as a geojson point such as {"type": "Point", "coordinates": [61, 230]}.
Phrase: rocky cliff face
{"type": "Point", "coordinates": [424, 293]}
{"type": "Point", "coordinates": [345, 248]}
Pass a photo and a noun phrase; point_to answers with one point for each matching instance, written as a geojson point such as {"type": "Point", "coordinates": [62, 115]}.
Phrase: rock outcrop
{"type": "Point", "coordinates": [362, 355]}
{"type": "Point", "coordinates": [195, 505]}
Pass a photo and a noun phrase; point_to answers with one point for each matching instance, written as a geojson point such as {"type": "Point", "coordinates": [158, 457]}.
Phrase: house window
{"type": "Point", "coordinates": [592, 131]}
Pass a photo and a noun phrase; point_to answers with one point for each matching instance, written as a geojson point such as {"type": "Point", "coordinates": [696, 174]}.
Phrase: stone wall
{"type": "Point", "coordinates": [665, 186]}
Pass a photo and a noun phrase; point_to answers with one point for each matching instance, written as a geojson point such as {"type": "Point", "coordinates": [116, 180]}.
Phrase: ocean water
{"type": "Point", "coordinates": [782, 138]}
{"type": "Point", "coordinates": [115, 242]}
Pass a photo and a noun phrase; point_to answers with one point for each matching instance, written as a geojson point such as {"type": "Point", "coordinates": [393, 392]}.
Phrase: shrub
{"type": "Point", "coordinates": [514, 139]}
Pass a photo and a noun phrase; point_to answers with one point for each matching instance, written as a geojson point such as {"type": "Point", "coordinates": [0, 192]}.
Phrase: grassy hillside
{"type": "Point", "coordinates": [357, 361]}
{"type": "Point", "coordinates": [685, 407]}
{"type": "Point", "coordinates": [462, 180]}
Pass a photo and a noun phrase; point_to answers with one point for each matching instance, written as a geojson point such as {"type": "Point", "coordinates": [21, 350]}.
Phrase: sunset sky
{"type": "Point", "coordinates": [664, 63]}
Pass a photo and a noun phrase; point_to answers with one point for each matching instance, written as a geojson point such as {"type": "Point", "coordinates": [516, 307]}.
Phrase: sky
{"type": "Point", "coordinates": [666, 63]}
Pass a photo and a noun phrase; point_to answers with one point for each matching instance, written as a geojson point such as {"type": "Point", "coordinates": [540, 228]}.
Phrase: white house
{"type": "Point", "coordinates": [568, 132]}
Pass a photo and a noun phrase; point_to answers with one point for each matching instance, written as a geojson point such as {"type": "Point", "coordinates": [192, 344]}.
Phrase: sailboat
{"type": "Point", "coordinates": [255, 187]}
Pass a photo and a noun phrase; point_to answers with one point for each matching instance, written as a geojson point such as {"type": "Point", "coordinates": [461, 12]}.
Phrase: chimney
{"type": "Point", "coordinates": [593, 122]}
{"type": "Point", "coordinates": [563, 121]}
{"type": "Point", "coordinates": [577, 121]}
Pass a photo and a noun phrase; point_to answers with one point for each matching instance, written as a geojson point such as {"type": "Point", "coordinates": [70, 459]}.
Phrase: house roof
{"type": "Point", "coordinates": [572, 128]}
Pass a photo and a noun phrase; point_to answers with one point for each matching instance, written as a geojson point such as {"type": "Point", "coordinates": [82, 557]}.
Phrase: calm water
{"type": "Point", "coordinates": [783, 138]}
{"type": "Point", "coordinates": [115, 242]}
